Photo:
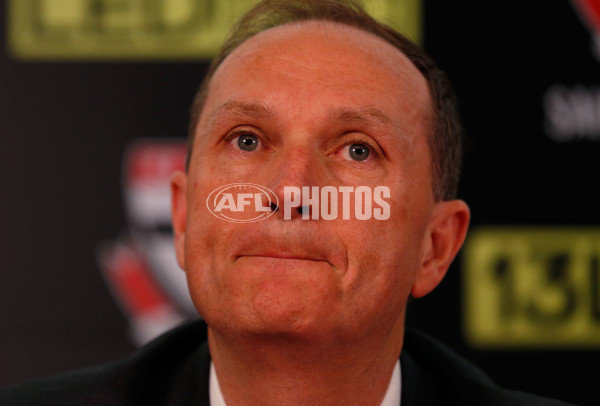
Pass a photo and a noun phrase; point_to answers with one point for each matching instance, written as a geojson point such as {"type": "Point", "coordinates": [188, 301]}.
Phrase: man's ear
{"type": "Point", "coordinates": [445, 235]}
{"type": "Point", "coordinates": [179, 213]}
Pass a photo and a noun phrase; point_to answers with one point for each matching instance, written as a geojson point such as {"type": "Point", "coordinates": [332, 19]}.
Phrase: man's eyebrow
{"type": "Point", "coordinates": [369, 115]}
{"type": "Point", "coordinates": [254, 110]}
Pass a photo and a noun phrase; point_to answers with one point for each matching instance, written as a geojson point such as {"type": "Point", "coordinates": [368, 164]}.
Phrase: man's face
{"type": "Point", "coordinates": [287, 108]}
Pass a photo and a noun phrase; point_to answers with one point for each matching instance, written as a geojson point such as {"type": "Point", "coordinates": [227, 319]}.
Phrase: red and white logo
{"type": "Point", "coordinates": [139, 267]}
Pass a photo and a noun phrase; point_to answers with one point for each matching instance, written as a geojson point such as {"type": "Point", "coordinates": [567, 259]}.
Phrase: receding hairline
{"type": "Point", "coordinates": [322, 22]}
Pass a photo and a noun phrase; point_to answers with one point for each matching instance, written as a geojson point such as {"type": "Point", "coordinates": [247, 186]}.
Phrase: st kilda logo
{"type": "Point", "coordinates": [589, 13]}
{"type": "Point", "coordinates": [242, 202]}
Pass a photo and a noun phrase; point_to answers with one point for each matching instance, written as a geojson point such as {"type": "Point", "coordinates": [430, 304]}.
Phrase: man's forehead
{"type": "Point", "coordinates": [321, 54]}
{"type": "Point", "coordinates": [314, 35]}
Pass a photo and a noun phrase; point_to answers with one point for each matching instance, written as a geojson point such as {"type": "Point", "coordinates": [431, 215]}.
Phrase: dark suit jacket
{"type": "Point", "coordinates": [174, 370]}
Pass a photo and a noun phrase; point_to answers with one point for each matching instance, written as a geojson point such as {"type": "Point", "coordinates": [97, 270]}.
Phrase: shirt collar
{"type": "Point", "coordinates": [214, 390]}
{"type": "Point", "coordinates": [394, 390]}
{"type": "Point", "coordinates": [392, 396]}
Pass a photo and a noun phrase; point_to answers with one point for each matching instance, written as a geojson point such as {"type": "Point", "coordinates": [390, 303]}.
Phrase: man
{"type": "Point", "coordinates": [300, 310]}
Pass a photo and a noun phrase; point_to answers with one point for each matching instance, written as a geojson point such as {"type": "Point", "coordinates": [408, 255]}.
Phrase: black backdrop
{"type": "Point", "coordinates": [64, 126]}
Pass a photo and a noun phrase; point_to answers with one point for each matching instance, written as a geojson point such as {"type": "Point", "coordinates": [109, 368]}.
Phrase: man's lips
{"type": "Point", "coordinates": [281, 252]}
{"type": "Point", "coordinates": [299, 243]}
{"type": "Point", "coordinates": [283, 256]}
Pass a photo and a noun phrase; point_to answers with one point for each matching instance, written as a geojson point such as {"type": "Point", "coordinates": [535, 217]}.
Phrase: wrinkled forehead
{"type": "Point", "coordinates": [329, 51]}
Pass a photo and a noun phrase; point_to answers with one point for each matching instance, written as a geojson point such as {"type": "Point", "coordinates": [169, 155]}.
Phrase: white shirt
{"type": "Point", "coordinates": [392, 396]}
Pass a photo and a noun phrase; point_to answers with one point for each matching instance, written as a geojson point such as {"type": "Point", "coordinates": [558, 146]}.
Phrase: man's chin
{"type": "Point", "coordinates": [287, 297]}
{"type": "Point", "coordinates": [272, 327]}
{"type": "Point", "coordinates": [277, 311]}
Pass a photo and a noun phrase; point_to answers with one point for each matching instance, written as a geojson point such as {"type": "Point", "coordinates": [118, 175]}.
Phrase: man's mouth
{"type": "Point", "coordinates": [302, 245]}
{"type": "Point", "coordinates": [283, 256]}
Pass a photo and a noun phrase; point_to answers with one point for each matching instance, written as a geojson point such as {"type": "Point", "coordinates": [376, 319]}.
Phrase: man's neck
{"type": "Point", "coordinates": [288, 372]}
{"type": "Point", "coordinates": [392, 396]}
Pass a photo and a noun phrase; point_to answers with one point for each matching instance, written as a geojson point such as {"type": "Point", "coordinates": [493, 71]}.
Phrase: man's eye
{"type": "Point", "coordinates": [247, 142]}
{"type": "Point", "coordinates": [358, 152]}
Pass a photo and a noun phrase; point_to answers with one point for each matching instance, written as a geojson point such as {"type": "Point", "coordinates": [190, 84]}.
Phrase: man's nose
{"type": "Point", "coordinates": [297, 171]}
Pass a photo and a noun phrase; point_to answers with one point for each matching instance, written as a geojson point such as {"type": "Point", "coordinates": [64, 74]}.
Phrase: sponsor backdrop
{"type": "Point", "coordinates": [94, 96]}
